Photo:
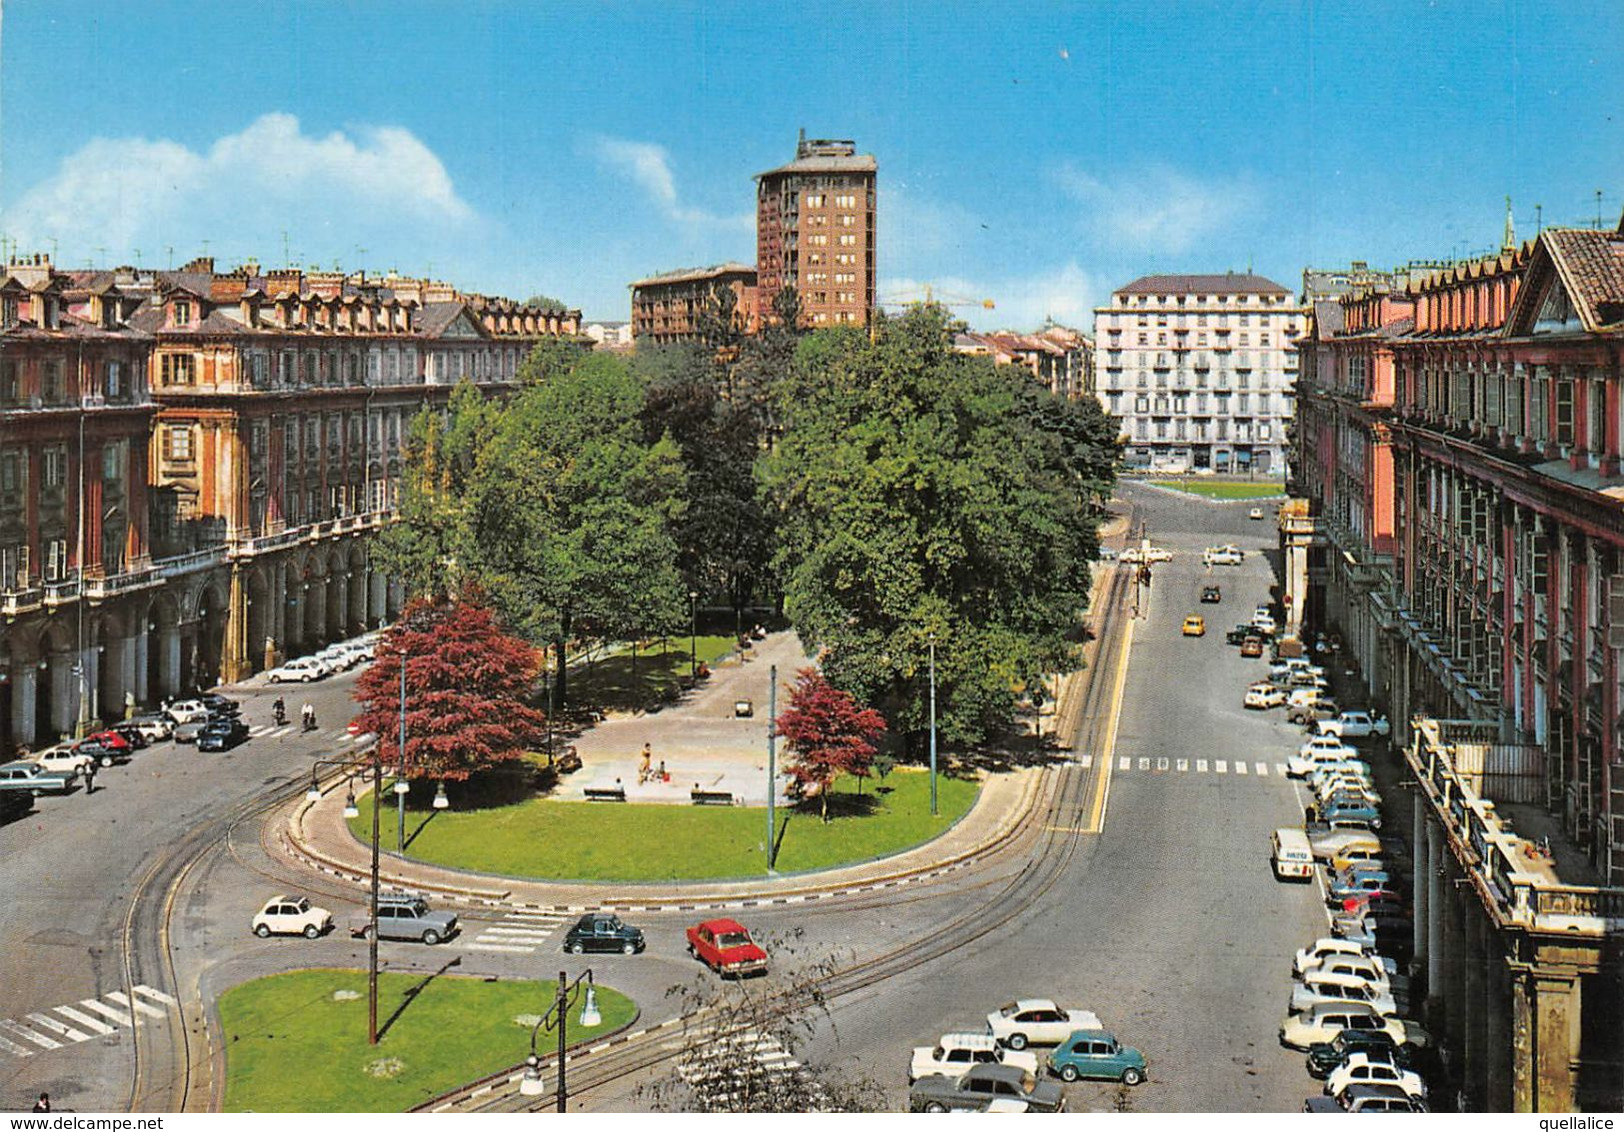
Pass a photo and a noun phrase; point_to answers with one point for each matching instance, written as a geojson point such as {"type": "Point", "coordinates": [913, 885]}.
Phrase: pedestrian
{"type": "Point", "coordinates": [44, 1103]}
{"type": "Point", "coordinates": [307, 717]}
{"type": "Point", "coordinates": [90, 777]}
{"type": "Point", "coordinates": [643, 768]}
{"type": "Point", "coordinates": [664, 777]}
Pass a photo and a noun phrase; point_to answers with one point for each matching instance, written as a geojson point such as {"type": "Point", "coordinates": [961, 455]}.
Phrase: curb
{"type": "Point", "coordinates": [297, 848]}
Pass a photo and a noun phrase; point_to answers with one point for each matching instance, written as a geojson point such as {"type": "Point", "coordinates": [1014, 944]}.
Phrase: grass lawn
{"type": "Point", "coordinates": [607, 842]}
{"type": "Point", "coordinates": [628, 679]}
{"type": "Point", "coordinates": [297, 1042]}
{"type": "Point", "coordinates": [1223, 490]}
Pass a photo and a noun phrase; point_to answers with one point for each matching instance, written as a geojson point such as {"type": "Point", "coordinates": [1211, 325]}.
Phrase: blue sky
{"type": "Point", "coordinates": [1035, 154]}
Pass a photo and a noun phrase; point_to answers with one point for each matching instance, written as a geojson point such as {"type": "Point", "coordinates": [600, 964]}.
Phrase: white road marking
{"type": "Point", "coordinates": [1161, 764]}
{"type": "Point", "coordinates": [140, 1007]}
{"type": "Point", "coordinates": [1201, 766]}
{"type": "Point", "coordinates": [1220, 766]}
{"type": "Point", "coordinates": [94, 1025]}
{"type": "Point", "coordinates": [281, 731]}
{"type": "Point", "coordinates": [12, 1047]}
{"type": "Point", "coordinates": [22, 1031]}
{"type": "Point", "coordinates": [1183, 765]}
{"type": "Point", "coordinates": [499, 947]}
{"type": "Point", "coordinates": [1280, 769]}
{"type": "Point", "coordinates": [1124, 763]}
{"type": "Point", "coordinates": [56, 1027]}
{"type": "Point", "coordinates": [1262, 769]}
{"type": "Point", "coordinates": [106, 1011]}
{"type": "Point", "coordinates": [1240, 767]}
{"type": "Point", "coordinates": [157, 995]}
{"type": "Point", "coordinates": [1144, 764]}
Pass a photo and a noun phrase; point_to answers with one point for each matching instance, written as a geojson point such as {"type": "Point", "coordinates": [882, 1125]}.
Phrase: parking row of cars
{"type": "Point", "coordinates": [992, 1070]}
{"type": "Point", "coordinates": [1351, 998]}
{"type": "Point", "coordinates": [340, 657]}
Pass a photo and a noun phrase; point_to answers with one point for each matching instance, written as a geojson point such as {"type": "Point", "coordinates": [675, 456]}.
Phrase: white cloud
{"type": "Point", "coordinates": [1158, 209]}
{"type": "Point", "coordinates": [375, 183]}
{"type": "Point", "coordinates": [648, 166]}
{"type": "Point", "coordinates": [1066, 294]}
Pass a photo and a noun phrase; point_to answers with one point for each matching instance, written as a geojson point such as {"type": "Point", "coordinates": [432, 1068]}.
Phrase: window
{"type": "Point", "coordinates": [180, 442]}
{"type": "Point", "coordinates": [845, 200]}
{"type": "Point", "coordinates": [52, 386]}
{"type": "Point", "coordinates": [113, 461]}
{"type": "Point", "coordinates": [183, 312]}
{"type": "Point", "coordinates": [820, 239]}
{"type": "Point", "coordinates": [177, 369]}
{"type": "Point", "coordinates": [56, 559]}
{"type": "Point", "coordinates": [9, 465]}
{"type": "Point", "coordinates": [115, 380]}
{"type": "Point", "coordinates": [10, 389]}
{"type": "Point", "coordinates": [847, 220]}
{"type": "Point", "coordinates": [814, 200]}
{"type": "Point", "coordinates": [53, 472]}
{"type": "Point", "coordinates": [848, 239]}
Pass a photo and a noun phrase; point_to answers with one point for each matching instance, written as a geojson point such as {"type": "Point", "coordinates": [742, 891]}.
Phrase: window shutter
{"type": "Point", "coordinates": [1615, 611]}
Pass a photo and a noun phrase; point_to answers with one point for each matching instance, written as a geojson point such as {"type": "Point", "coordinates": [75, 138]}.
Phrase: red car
{"type": "Point", "coordinates": [109, 739]}
{"type": "Point", "coordinates": [725, 947]}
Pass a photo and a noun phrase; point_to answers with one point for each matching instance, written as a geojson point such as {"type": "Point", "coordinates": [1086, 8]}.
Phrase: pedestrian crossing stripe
{"type": "Point", "coordinates": [1183, 765]}
{"type": "Point", "coordinates": [1220, 766]}
{"type": "Point", "coordinates": [1262, 769]}
{"type": "Point", "coordinates": [523, 933]}
{"type": "Point", "coordinates": [155, 995]}
{"type": "Point", "coordinates": [1201, 766]}
{"type": "Point", "coordinates": [24, 1032]}
{"type": "Point", "coordinates": [1124, 763]}
{"type": "Point", "coordinates": [1086, 761]}
{"type": "Point", "coordinates": [47, 1030]}
{"type": "Point", "coordinates": [1161, 764]}
{"type": "Point", "coordinates": [140, 1007]}
{"type": "Point", "coordinates": [123, 1019]}
{"type": "Point", "coordinates": [1280, 769]}
{"type": "Point", "coordinates": [60, 1028]}
{"type": "Point", "coordinates": [94, 1025]}
{"type": "Point", "coordinates": [1240, 767]}
{"type": "Point", "coordinates": [12, 1047]}
{"type": "Point", "coordinates": [509, 948]}
{"type": "Point", "coordinates": [1144, 764]}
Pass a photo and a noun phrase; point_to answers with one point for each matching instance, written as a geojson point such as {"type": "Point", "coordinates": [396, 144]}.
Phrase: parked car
{"type": "Point", "coordinates": [1255, 513]}
{"type": "Point", "coordinates": [1319, 989]}
{"type": "Point", "coordinates": [1239, 633]}
{"type": "Point", "coordinates": [156, 726]}
{"type": "Point", "coordinates": [1252, 646]}
{"type": "Point", "coordinates": [103, 753]}
{"type": "Point", "coordinates": [1310, 708]}
{"type": "Point", "coordinates": [63, 759]}
{"type": "Point", "coordinates": [1222, 556]}
{"type": "Point", "coordinates": [220, 705]}
{"type": "Point", "coordinates": [1323, 1023]}
{"type": "Point", "coordinates": [222, 735]}
{"type": "Point", "coordinates": [304, 670]}
{"type": "Point", "coordinates": [1263, 696]}
{"type": "Point", "coordinates": [1317, 753]}
{"type": "Point", "coordinates": [1330, 843]}
{"type": "Point", "coordinates": [1349, 810]}
{"type": "Point", "coordinates": [291, 915]}
{"type": "Point", "coordinates": [1158, 554]}
{"type": "Point", "coordinates": [1038, 1021]}
{"type": "Point", "coordinates": [186, 711]}
{"type": "Point", "coordinates": [1354, 725]}
{"type": "Point", "coordinates": [1212, 595]}
{"type": "Point", "coordinates": [981, 1084]}
{"type": "Point", "coordinates": [1325, 948]}
{"type": "Point", "coordinates": [956, 1053]}
{"type": "Point", "coordinates": [406, 915]}
{"type": "Point", "coordinates": [602, 931]}
{"type": "Point", "coordinates": [1265, 625]}
{"type": "Point", "coordinates": [339, 658]}
{"type": "Point", "coordinates": [725, 947]}
{"type": "Point", "coordinates": [111, 739]}
{"type": "Point", "coordinates": [1364, 1068]}
{"type": "Point", "coordinates": [1195, 626]}
{"type": "Point", "coordinates": [35, 779]}
{"type": "Point", "coordinates": [1378, 1097]}
{"type": "Point", "coordinates": [132, 735]}
{"type": "Point", "coordinates": [1324, 1057]}
{"type": "Point", "coordinates": [189, 731]}
{"type": "Point", "coordinates": [1373, 969]}
{"type": "Point", "coordinates": [1098, 1055]}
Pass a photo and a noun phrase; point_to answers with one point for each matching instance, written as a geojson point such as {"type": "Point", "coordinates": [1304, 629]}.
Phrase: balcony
{"type": "Point", "coordinates": [14, 603]}
{"type": "Point", "coordinates": [139, 575]}
{"type": "Point", "coordinates": [61, 592]}
{"type": "Point", "coordinates": [175, 567]}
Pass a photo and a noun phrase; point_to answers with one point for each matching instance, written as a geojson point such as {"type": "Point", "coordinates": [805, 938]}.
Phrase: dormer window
{"type": "Point", "coordinates": [183, 312]}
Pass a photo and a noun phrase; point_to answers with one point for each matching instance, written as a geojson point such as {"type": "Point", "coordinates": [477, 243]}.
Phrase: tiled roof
{"type": "Point", "coordinates": [1591, 265]}
{"type": "Point", "coordinates": [1229, 283]}
{"type": "Point", "coordinates": [856, 163]}
{"type": "Point", "coordinates": [436, 316]}
{"type": "Point", "coordinates": [1329, 318]}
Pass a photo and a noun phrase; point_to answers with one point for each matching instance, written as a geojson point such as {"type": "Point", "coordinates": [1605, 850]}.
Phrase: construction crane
{"type": "Point", "coordinates": [931, 297]}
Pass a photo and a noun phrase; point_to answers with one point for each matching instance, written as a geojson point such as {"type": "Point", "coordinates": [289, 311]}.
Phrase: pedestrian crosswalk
{"type": "Point", "coordinates": [335, 735]}
{"type": "Point", "coordinates": [720, 1066]}
{"type": "Point", "coordinates": [88, 1018]}
{"type": "Point", "coordinates": [1249, 768]}
{"type": "Point", "coordinates": [518, 933]}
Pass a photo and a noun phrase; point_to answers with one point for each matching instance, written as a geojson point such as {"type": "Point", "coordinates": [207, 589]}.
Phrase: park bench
{"type": "Point", "coordinates": [710, 797]}
{"type": "Point", "coordinates": [605, 793]}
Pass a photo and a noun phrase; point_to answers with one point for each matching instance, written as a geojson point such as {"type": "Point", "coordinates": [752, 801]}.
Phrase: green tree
{"type": "Point", "coordinates": [550, 357]}
{"type": "Point", "coordinates": [571, 516]}
{"type": "Point", "coordinates": [923, 492]}
{"type": "Point", "coordinates": [546, 303]}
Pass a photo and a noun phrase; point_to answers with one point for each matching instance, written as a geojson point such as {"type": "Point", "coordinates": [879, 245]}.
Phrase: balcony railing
{"type": "Point", "coordinates": [26, 600]}
{"type": "Point", "coordinates": [188, 563]}
{"type": "Point", "coordinates": [126, 579]}
{"type": "Point", "coordinates": [61, 592]}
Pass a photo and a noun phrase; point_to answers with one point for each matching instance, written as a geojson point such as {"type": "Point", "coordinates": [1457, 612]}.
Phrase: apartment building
{"type": "Point", "coordinates": [196, 463]}
{"type": "Point", "coordinates": [669, 307]}
{"type": "Point", "coordinates": [1200, 369]}
{"type": "Point", "coordinates": [1058, 358]}
{"type": "Point", "coordinates": [815, 232]}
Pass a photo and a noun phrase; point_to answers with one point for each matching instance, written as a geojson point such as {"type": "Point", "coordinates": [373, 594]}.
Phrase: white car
{"type": "Point", "coordinates": [340, 658]}
{"type": "Point", "coordinates": [1255, 513]}
{"type": "Point", "coordinates": [1038, 1020]}
{"type": "Point", "coordinates": [291, 915]}
{"type": "Point", "coordinates": [1328, 744]}
{"type": "Point", "coordinates": [1282, 669]}
{"type": "Point", "coordinates": [1350, 783]}
{"type": "Point", "coordinates": [1321, 988]}
{"type": "Point", "coordinates": [1263, 696]}
{"type": "Point", "coordinates": [1222, 556]}
{"type": "Point", "coordinates": [303, 670]}
{"type": "Point", "coordinates": [955, 1053]}
{"type": "Point", "coordinates": [187, 711]}
{"type": "Point", "coordinates": [1158, 554]}
{"type": "Point", "coordinates": [1361, 1069]}
{"type": "Point", "coordinates": [1326, 771]}
{"type": "Point", "coordinates": [1377, 970]}
{"type": "Point", "coordinates": [1314, 954]}
{"type": "Point", "coordinates": [153, 728]}
{"type": "Point", "coordinates": [1324, 1023]}
{"type": "Point", "coordinates": [1310, 758]}
{"type": "Point", "coordinates": [1354, 725]}
{"type": "Point", "coordinates": [63, 759]}
{"type": "Point", "coordinates": [1265, 625]}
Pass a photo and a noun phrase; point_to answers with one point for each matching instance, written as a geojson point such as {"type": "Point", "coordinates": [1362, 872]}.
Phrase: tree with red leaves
{"type": "Point", "coordinates": [466, 688]}
{"type": "Point", "coordinates": [829, 734]}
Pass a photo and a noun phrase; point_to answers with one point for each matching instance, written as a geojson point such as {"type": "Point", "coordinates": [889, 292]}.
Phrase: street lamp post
{"type": "Point", "coordinates": [933, 725]}
{"type": "Point", "coordinates": [693, 636]}
{"type": "Point", "coordinates": [402, 787]}
{"type": "Point", "coordinates": [772, 758]}
{"type": "Point", "coordinates": [531, 1085]}
{"type": "Point", "coordinates": [350, 811]}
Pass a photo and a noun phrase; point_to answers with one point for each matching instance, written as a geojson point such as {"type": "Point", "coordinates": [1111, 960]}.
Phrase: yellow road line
{"type": "Point", "coordinates": [1096, 820]}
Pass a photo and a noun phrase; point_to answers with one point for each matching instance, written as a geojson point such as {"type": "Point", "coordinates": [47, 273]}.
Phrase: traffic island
{"type": "Point", "coordinates": [297, 1042]}
{"type": "Point", "coordinates": [614, 841]}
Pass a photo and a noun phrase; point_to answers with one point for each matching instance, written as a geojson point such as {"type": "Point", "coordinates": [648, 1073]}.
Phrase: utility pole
{"type": "Point", "coordinates": [772, 756]}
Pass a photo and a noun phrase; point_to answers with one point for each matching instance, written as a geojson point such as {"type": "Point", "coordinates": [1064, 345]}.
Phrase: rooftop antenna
{"type": "Point", "coordinates": [1598, 212]}
{"type": "Point", "coordinates": [170, 248]}
{"type": "Point", "coordinates": [101, 253]}
{"type": "Point", "coordinates": [1598, 224]}
{"type": "Point", "coordinates": [285, 246]}
{"type": "Point", "coordinates": [1509, 240]}
{"type": "Point", "coordinates": [137, 252]}
{"type": "Point", "coordinates": [205, 247]}
{"type": "Point", "coordinates": [1539, 219]}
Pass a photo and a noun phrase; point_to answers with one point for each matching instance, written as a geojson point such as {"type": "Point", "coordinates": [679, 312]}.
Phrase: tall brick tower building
{"type": "Point", "coordinates": [815, 232]}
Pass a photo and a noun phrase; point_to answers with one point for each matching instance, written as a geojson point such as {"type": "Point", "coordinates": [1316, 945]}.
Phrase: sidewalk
{"type": "Point", "coordinates": [314, 834]}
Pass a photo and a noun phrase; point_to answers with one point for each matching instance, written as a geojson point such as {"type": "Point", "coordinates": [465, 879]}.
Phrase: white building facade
{"type": "Point", "coordinates": [1200, 370]}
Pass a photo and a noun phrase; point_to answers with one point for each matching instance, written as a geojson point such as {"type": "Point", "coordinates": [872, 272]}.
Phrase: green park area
{"type": "Point", "coordinates": [297, 1042]}
{"type": "Point", "coordinates": [638, 675]}
{"type": "Point", "coordinates": [595, 841]}
{"type": "Point", "coordinates": [1223, 489]}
